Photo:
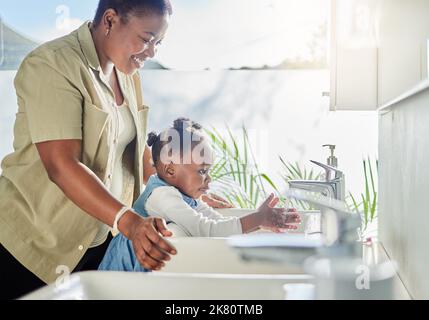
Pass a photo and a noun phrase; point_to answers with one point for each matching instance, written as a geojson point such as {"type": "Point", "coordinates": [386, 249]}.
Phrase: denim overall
{"type": "Point", "coordinates": [120, 254]}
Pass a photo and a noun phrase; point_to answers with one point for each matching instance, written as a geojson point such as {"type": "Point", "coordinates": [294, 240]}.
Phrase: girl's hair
{"type": "Point", "coordinates": [184, 129]}
{"type": "Point", "coordinates": [124, 8]}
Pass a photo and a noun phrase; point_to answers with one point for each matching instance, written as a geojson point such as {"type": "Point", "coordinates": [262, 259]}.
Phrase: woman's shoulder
{"type": "Point", "coordinates": [62, 54]}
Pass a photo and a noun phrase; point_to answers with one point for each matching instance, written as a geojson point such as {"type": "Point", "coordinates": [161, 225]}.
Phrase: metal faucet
{"type": "Point", "coordinates": [340, 226]}
{"type": "Point", "coordinates": [333, 187]}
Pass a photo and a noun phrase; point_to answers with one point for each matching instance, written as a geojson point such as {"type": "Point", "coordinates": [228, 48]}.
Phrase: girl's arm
{"type": "Point", "coordinates": [266, 216]}
{"type": "Point", "coordinates": [168, 203]}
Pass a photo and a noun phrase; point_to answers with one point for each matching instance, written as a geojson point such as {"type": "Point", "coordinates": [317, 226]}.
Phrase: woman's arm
{"type": "Point", "coordinates": [62, 160]}
{"type": "Point", "coordinates": [148, 168]}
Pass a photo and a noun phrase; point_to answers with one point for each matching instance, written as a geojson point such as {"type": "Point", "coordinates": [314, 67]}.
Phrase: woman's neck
{"type": "Point", "coordinates": [99, 39]}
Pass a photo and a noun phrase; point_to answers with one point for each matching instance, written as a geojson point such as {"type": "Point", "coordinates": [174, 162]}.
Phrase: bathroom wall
{"type": "Point", "coordinates": [404, 188]}
{"type": "Point", "coordinates": [285, 106]}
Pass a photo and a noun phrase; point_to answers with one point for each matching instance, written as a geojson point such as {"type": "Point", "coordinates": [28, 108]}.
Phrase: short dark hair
{"type": "Point", "coordinates": [134, 7]}
{"type": "Point", "coordinates": [186, 129]}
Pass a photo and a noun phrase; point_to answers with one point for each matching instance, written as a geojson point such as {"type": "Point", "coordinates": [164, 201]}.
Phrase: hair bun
{"type": "Point", "coordinates": [182, 124]}
{"type": "Point", "coordinates": [196, 126]}
{"type": "Point", "coordinates": [152, 138]}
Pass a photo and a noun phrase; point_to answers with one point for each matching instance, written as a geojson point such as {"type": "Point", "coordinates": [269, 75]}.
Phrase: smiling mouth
{"type": "Point", "coordinates": [138, 62]}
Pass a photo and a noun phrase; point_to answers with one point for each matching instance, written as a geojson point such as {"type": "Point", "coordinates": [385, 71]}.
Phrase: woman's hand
{"type": "Point", "coordinates": [146, 235]}
{"type": "Point", "coordinates": [216, 202]}
{"type": "Point", "coordinates": [277, 219]}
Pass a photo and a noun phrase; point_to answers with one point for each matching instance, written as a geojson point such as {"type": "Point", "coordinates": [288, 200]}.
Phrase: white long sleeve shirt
{"type": "Point", "coordinates": [167, 203]}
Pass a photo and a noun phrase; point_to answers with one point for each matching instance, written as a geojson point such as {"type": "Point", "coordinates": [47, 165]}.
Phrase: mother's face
{"type": "Point", "coordinates": [130, 44]}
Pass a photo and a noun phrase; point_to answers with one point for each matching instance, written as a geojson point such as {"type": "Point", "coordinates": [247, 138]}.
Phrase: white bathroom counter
{"type": "Point", "coordinates": [176, 286]}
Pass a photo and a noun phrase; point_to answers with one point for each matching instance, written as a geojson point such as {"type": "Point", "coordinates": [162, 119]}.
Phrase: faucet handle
{"type": "Point", "coordinates": [329, 170]}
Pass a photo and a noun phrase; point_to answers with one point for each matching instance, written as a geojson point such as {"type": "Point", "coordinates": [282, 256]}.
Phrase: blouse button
{"type": "Point", "coordinates": [81, 248]}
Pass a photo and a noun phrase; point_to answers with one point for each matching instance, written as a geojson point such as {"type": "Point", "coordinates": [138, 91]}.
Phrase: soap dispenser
{"type": "Point", "coordinates": [332, 160]}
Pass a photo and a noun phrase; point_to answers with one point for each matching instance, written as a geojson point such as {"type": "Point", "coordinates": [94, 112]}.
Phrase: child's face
{"type": "Point", "coordinates": [193, 179]}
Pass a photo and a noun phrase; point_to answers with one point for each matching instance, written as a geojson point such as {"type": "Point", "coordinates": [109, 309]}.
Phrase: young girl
{"type": "Point", "coordinates": [182, 157]}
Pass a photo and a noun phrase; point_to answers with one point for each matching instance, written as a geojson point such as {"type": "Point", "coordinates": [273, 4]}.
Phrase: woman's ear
{"type": "Point", "coordinates": [110, 18]}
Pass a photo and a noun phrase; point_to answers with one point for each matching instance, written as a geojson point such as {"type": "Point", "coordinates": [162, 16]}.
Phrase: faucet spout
{"type": "Point", "coordinates": [325, 188]}
{"type": "Point", "coordinates": [333, 187]}
{"type": "Point", "coordinates": [340, 226]}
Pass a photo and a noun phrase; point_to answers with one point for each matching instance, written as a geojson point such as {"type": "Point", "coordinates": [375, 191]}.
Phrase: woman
{"type": "Point", "coordinates": [80, 157]}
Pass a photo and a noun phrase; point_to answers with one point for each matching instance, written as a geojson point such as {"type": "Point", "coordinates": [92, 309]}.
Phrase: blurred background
{"type": "Point", "coordinates": [262, 65]}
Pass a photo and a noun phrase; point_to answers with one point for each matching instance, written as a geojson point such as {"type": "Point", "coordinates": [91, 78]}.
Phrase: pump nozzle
{"type": "Point", "coordinates": [332, 160]}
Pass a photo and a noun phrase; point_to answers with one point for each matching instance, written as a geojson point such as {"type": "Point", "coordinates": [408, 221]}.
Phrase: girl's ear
{"type": "Point", "coordinates": [169, 170]}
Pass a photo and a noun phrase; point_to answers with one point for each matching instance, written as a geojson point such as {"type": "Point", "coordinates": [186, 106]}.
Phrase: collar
{"type": "Point", "coordinates": [87, 45]}
{"type": "Point", "coordinates": [156, 178]}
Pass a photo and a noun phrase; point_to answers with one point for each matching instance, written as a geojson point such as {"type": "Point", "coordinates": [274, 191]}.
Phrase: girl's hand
{"type": "Point", "coordinates": [216, 202]}
{"type": "Point", "coordinates": [277, 220]}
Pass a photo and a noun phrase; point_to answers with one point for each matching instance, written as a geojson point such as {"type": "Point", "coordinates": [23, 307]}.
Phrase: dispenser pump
{"type": "Point", "coordinates": [332, 160]}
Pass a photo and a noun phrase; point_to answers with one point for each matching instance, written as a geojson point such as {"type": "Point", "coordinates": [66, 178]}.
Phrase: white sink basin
{"type": "Point", "coordinates": [214, 255]}
{"type": "Point", "coordinates": [288, 250]}
{"type": "Point", "coordinates": [150, 286]}
{"type": "Point", "coordinates": [204, 268]}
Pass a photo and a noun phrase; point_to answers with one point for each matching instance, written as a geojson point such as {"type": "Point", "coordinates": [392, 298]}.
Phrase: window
{"type": "Point", "coordinates": [235, 34]}
{"type": "Point", "coordinates": [215, 34]}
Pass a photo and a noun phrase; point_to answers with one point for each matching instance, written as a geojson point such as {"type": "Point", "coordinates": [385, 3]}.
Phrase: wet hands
{"type": "Point", "coordinates": [277, 220]}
